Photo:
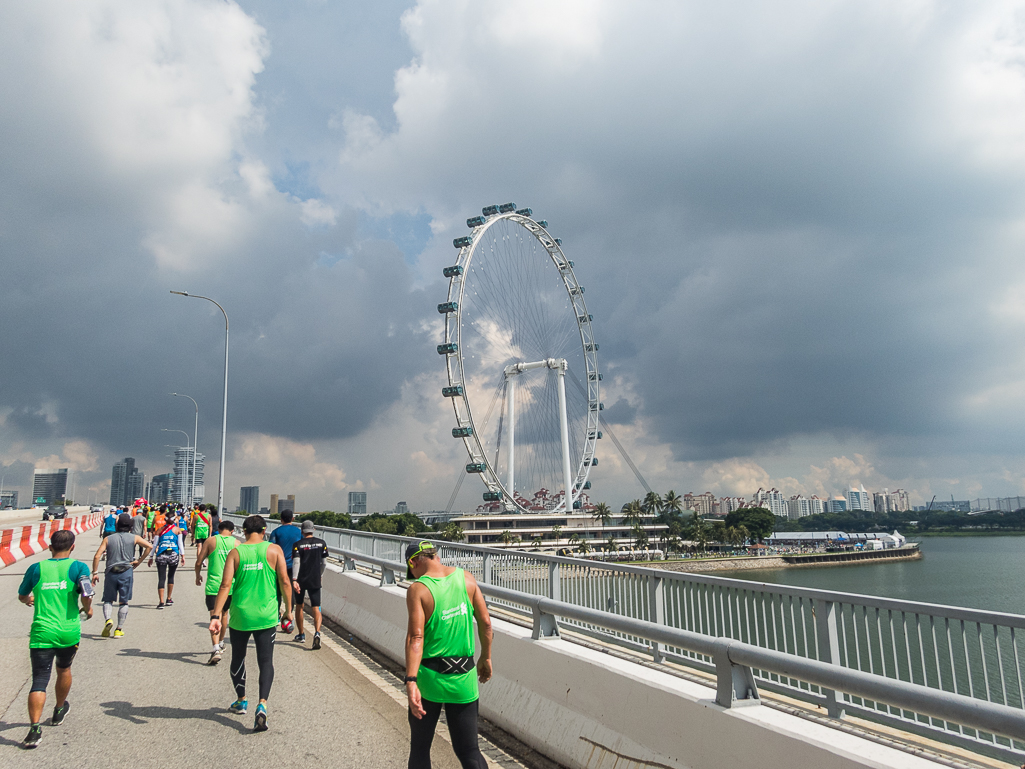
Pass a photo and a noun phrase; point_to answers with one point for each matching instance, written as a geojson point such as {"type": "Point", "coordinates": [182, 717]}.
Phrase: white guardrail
{"type": "Point", "coordinates": [949, 673]}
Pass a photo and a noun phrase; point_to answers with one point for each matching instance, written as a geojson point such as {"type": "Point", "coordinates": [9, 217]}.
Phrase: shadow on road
{"type": "Point", "coordinates": [175, 656]}
{"type": "Point", "coordinates": [142, 715]}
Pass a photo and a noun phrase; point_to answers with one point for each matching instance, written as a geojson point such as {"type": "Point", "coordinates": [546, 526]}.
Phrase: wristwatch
{"type": "Point", "coordinates": [409, 680]}
{"type": "Point", "coordinates": [215, 616]}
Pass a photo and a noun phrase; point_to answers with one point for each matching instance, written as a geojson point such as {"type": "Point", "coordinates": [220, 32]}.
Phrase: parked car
{"type": "Point", "coordinates": [96, 509]}
{"type": "Point", "coordinates": [53, 512]}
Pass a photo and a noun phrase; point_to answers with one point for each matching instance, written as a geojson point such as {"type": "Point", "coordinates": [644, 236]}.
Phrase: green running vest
{"type": "Point", "coordinates": [55, 622]}
{"type": "Point", "coordinates": [215, 563]}
{"type": "Point", "coordinates": [254, 600]}
{"type": "Point", "coordinates": [448, 633]}
{"type": "Point", "coordinates": [202, 527]}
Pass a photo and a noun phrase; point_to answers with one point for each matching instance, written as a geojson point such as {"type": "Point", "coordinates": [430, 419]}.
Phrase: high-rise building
{"type": "Point", "coordinates": [859, 499]}
{"type": "Point", "coordinates": [837, 504]}
{"type": "Point", "coordinates": [401, 508]}
{"type": "Point", "coordinates": [279, 505]}
{"type": "Point", "coordinates": [728, 504]}
{"type": "Point", "coordinates": [799, 506]}
{"type": "Point", "coordinates": [357, 503]}
{"type": "Point", "coordinates": [703, 504]}
{"type": "Point", "coordinates": [773, 500]}
{"type": "Point", "coordinates": [901, 501]}
{"type": "Point", "coordinates": [135, 487]}
{"type": "Point", "coordinates": [158, 490]}
{"type": "Point", "coordinates": [8, 499]}
{"type": "Point", "coordinates": [182, 486]}
{"type": "Point", "coordinates": [49, 486]}
{"type": "Point", "coordinates": [123, 482]}
{"type": "Point", "coordinates": [249, 500]}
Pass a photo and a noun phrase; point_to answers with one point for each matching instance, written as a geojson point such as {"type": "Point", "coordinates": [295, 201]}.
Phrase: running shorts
{"type": "Point", "coordinates": [210, 599]}
{"type": "Point", "coordinates": [314, 593]}
{"type": "Point", "coordinates": [42, 663]}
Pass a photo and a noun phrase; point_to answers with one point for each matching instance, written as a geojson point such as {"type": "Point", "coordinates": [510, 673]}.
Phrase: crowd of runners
{"type": "Point", "coordinates": [251, 588]}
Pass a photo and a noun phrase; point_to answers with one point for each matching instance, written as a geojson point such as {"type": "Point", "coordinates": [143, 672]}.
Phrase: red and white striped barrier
{"type": "Point", "coordinates": [25, 541]}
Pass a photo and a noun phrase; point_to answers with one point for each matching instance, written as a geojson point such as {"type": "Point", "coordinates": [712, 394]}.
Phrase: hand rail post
{"type": "Point", "coordinates": [486, 568]}
{"type": "Point", "coordinates": [387, 577]}
{"type": "Point", "coordinates": [657, 602]}
{"type": "Point", "coordinates": [735, 684]}
{"type": "Point", "coordinates": [829, 651]}
{"type": "Point", "coordinates": [545, 627]}
{"type": "Point", "coordinates": [554, 582]}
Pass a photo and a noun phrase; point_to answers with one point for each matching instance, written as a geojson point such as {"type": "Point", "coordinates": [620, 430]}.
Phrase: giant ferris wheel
{"type": "Point", "coordinates": [516, 328]}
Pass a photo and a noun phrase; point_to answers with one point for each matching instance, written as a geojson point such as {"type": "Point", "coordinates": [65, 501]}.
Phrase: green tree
{"type": "Point", "coordinates": [759, 521]}
{"type": "Point", "coordinates": [536, 540]}
{"type": "Point", "coordinates": [507, 537]}
{"type": "Point", "coordinates": [652, 503]}
{"type": "Point", "coordinates": [583, 546]}
{"type": "Point", "coordinates": [611, 543]}
{"type": "Point", "coordinates": [632, 512]}
{"type": "Point", "coordinates": [640, 536]}
{"type": "Point", "coordinates": [453, 532]}
{"type": "Point", "coordinates": [556, 533]}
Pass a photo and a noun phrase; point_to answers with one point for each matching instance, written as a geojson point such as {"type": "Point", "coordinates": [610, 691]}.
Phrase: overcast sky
{"type": "Point", "coordinates": [799, 225]}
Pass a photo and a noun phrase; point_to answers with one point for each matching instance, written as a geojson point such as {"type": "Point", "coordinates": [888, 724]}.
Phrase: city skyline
{"type": "Point", "coordinates": [788, 303]}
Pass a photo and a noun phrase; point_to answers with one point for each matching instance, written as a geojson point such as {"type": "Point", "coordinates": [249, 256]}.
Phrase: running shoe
{"type": "Point", "coordinates": [160, 605]}
{"type": "Point", "coordinates": [107, 627]}
{"type": "Point", "coordinates": [170, 602]}
{"type": "Point", "coordinates": [35, 734]}
{"type": "Point", "coordinates": [316, 641]}
{"type": "Point", "coordinates": [119, 633]}
{"type": "Point", "coordinates": [59, 713]}
{"type": "Point", "coordinates": [240, 707]}
{"type": "Point", "coordinates": [215, 657]}
{"type": "Point", "coordinates": [260, 725]}
{"type": "Point", "coordinates": [300, 638]}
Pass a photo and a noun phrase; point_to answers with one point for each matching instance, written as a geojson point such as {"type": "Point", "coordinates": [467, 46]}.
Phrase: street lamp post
{"type": "Point", "coordinates": [224, 407]}
{"type": "Point", "coordinates": [168, 430]}
{"type": "Point", "coordinates": [195, 449]}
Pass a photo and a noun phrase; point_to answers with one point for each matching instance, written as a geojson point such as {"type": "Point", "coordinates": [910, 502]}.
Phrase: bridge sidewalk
{"type": "Point", "coordinates": [149, 699]}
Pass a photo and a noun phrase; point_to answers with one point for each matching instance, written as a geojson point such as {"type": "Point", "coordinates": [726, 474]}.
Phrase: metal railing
{"type": "Point", "coordinates": [946, 672]}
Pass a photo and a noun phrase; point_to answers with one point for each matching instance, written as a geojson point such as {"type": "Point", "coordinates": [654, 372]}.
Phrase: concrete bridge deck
{"type": "Point", "coordinates": [149, 699]}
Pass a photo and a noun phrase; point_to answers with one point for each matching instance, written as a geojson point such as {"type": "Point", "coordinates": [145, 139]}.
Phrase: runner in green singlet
{"type": "Point", "coordinates": [216, 550]}
{"type": "Point", "coordinates": [151, 521]}
{"type": "Point", "coordinates": [53, 588]}
{"type": "Point", "coordinates": [442, 605]}
{"type": "Point", "coordinates": [254, 573]}
{"type": "Point", "coordinates": [201, 527]}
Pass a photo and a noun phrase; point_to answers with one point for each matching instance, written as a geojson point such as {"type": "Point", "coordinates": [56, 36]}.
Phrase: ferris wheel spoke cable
{"type": "Point", "coordinates": [615, 440]}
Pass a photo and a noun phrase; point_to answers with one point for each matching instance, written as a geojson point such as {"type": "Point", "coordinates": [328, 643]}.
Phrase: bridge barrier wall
{"type": "Point", "coordinates": [584, 708]}
{"type": "Point", "coordinates": [23, 541]}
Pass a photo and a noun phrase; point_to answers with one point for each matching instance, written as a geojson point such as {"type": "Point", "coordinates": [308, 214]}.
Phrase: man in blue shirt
{"type": "Point", "coordinates": [285, 536]}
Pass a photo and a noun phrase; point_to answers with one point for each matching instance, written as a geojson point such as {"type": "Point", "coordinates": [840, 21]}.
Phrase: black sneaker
{"type": "Point", "coordinates": [59, 713]}
{"type": "Point", "coordinates": [35, 734]}
{"type": "Point", "coordinates": [316, 641]}
{"type": "Point", "coordinates": [170, 602]}
{"type": "Point", "coordinates": [160, 605]}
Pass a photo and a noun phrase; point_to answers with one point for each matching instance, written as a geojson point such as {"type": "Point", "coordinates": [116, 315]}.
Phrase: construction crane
{"type": "Point", "coordinates": [930, 503]}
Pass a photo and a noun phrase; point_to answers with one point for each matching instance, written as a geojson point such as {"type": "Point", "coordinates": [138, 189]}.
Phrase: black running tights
{"type": "Point", "coordinates": [264, 641]}
{"type": "Point", "coordinates": [165, 573]}
{"type": "Point", "coordinates": [462, 729]}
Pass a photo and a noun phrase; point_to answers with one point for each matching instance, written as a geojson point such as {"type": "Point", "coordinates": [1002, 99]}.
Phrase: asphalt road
{"type": "Point", "coordinates": [149, 699]}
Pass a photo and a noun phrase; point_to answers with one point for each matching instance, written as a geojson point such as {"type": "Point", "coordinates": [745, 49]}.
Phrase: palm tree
{"type": "Point", "coordinates": [583, 547]}
{"type": "Point", "coordinates": [557, 533]}
{"type": "Point", "coordinates": [453, 532]}
{"type": "Point", "coordinates": [672, 503]}
{"type": "Point", "coordinates": [640, 536]}
{"type": "Point", "coordinates": [574, 538]}
{"type": "Point", "coordinates": [536, 540]}
{"type": "Point", "coordinates": [507, 537]}
{"type": "Point", "coordinates": [632, 512]}
{"type": "Point", "coordinates": [652, 503]}
{"type": "Point", "coordinates": [603, 514]}
{"type": "Point", "coordinates": [611, 542]}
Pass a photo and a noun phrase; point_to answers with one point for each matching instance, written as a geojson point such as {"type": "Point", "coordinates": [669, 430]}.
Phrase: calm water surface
{"type": "Point", "coordinates": [980, 572]}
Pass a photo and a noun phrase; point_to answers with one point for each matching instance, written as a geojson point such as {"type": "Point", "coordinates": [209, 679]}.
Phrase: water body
{"type": "Point", "coordinates": [978, 572]}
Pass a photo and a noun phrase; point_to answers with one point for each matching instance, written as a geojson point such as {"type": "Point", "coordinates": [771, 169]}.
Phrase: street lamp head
{"type": "Point", "coordinates": [181, 293]}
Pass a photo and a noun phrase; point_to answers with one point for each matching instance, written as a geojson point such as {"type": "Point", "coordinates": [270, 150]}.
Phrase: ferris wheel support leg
{"type": "Point", "coordinates": [564, 434]}
{"type": "Point", "coordinates": [511, 419]}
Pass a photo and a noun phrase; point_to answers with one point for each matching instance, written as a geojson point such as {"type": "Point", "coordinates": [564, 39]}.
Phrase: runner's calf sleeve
{"type": "Point", "coordinates": [108, 610]}
{"type": "Point", "coordinates": [122, 614]}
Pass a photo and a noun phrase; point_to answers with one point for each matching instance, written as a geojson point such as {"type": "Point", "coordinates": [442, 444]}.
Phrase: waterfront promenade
{"type": "Point", "coordinates": [148, 699]}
